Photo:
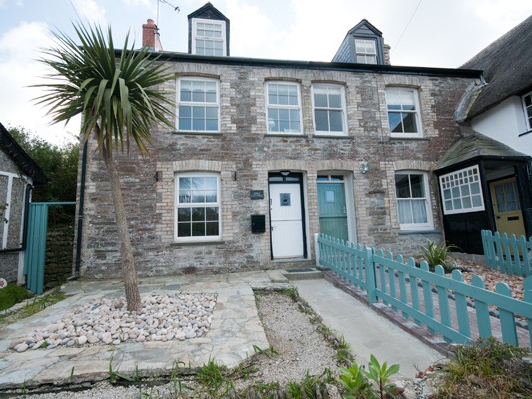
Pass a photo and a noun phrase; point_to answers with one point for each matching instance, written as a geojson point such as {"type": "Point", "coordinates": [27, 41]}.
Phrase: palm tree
{"type": "Point", "coordinates": [117, 95]}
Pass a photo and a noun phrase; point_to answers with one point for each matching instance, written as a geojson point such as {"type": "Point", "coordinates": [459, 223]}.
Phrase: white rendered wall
{"type": "Point", "coordinates": [505, 123]}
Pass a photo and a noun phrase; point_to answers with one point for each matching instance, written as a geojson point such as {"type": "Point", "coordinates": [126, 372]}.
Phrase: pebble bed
{"type": "Point", "coordinates": [107, 321]}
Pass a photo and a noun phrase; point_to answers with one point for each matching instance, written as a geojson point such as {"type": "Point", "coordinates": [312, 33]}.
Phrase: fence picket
{"type": "Point", "coordinates": [443, 302]}
{"type": "Point", "coordinates": [509, 333]}
{"type": "Point", "coordinates": [427, 294]}
{"type": "Point", "coordinates": [414, 293]}
{"type": "Point", "coordinates": [402, 284]}
{"type": "Point", "coordinates": [482, 310]}
{"type": "Point", "coordinates": [391, 279]}
{"type": "Point", "coordinates": [461, 306]}
{"type": "Point", "coordinates": [382, 273]}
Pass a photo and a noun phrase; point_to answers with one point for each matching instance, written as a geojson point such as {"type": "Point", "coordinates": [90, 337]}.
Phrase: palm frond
{"type": "Point", "coordinates": [116, 91]}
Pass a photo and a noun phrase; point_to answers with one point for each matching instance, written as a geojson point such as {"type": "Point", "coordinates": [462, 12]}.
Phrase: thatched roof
{"type": "Point", "coordinates": [478, 146]}
{"type": "Point", "coordinates": [507, 66]}
{"type": "Point", "coordinates": [21, 158]}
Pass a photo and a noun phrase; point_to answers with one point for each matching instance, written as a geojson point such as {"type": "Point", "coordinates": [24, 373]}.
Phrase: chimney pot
{"type": "Point", "coordinates": [150, 36]}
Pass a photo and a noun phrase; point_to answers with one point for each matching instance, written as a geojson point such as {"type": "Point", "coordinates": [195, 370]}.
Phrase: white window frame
{"type": "Point", "coordinates": [288, 107]}
{"type": "Point", "coordinates": [461, 185]}
{"type": "Point", "coordinates": [330, 87]}
{"type": "Point", "coordinates": [415, 112]}
{"type": "Point", "coordinates": [179, 205]}
{"type": "Point", "coordinates": [196, 37]}
{"type": "Point", "coordinates": [528, 110]}
{"type": "Point", "coordinates": [370, 57]}
{"type": "Point", "coordinates": [198, 104]}
{"type": "Point", "coordinates": [429, 224]}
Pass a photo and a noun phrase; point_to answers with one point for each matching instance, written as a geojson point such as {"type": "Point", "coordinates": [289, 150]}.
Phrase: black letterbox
{"type": "Point", "coordinates": [258, 223]}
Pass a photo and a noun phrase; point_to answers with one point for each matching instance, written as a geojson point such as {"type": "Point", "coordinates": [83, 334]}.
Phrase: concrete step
{"type": "Point", "coordinates": [302, 273]}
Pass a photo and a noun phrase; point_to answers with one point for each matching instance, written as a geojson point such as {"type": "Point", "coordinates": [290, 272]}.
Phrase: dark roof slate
{"type": "Point", "coordinates": [507, 66]}
{"type": "Point", "coordinates": [477, 146]}
{"type": "Point", "coordinates": [208, 11]}
{"type": "Point", "coordinates": [21, 158]}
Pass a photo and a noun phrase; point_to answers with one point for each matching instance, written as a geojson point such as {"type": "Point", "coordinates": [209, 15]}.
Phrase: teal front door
{"type": "Point", "coordinates": [332, 210]}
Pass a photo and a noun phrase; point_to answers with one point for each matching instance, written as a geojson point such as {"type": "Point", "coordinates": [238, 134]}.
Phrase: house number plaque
{"type": "Point", "coordinates": [256, 194]}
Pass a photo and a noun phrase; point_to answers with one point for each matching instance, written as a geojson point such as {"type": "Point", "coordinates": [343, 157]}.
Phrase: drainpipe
{"type": "Point", "coordinates": [81, 206]}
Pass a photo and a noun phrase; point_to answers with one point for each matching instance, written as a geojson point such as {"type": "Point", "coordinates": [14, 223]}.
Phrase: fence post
{"type": "Point", "coordinates": [371, 283]}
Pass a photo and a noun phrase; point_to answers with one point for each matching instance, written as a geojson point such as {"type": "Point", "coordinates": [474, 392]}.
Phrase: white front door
{"type": "Point", "coordinates": [286, 218]}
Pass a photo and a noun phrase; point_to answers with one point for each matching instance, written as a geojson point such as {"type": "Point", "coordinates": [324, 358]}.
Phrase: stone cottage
{"type": "Point", "coordinates": [266, 154]}
{"type": "Point", "coordinates": [18, 174]}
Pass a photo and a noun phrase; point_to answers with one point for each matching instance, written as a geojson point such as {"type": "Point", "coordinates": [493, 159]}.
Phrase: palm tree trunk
{"type": "Point", "coordinates": [126, 251]}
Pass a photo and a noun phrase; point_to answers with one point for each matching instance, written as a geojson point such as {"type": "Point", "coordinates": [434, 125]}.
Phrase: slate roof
{"type": "Point", "coordinates": [507, 66]}
{"type": "Point", "coordinates": [478, 146]}
{"type": "Point", "coordinates": [21, 158]}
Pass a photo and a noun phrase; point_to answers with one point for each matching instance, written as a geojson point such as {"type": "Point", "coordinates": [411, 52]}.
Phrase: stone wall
{"type": "Point", "coordinates": [59, 254]}
{"type": "Point", "coordinates": [243, 154]}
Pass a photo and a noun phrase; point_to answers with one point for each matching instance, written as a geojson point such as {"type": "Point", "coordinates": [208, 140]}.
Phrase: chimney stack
{"type": "Point", "coordinates": [150, 36]}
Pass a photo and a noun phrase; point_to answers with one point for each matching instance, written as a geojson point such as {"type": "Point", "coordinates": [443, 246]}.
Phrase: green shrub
{"type": "Point", "coordinates": [438, 254]}
{"type": "Point", "coordinates": [13, 294]}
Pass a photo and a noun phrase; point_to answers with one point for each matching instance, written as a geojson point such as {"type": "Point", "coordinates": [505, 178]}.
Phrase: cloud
{"type": "Point", "coordinates": [19, 49]}
{"type": "Point", "coordinates": [91, 11]}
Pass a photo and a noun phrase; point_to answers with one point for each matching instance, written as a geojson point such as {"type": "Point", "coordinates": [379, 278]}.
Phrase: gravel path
{"type": "Point", "coordinates": [298, 349]}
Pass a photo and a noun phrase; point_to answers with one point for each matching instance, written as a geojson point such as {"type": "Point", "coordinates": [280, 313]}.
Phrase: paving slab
{"type": "Point", "coordinates": [364, 330]}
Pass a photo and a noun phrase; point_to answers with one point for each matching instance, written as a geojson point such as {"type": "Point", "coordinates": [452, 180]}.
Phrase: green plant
{"type": "Point", "coordinates": [487, 369]}
{"type": "Point", "coordinates": [292, 293]}
{"type": "Point", "coordinates": [381, 374]}
{"type": "Point", "coordinates": [115, 375]}
{"type": "Point", "coordinates": [211, 377]}
{"type": "Point", "coordinates": [355, 382]}
{"type": "Point", "coordinates": [309, 387]}
{"type": "Point", "coordinates": [438, 254]}
{"type": "Point", "coordinates": [343, 351]}
{"type": "Point", "coordinates": [13, 294]}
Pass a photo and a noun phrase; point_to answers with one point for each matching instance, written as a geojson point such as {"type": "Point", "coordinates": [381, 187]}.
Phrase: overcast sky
{"type": "Point", "coordinates": [429, 33]}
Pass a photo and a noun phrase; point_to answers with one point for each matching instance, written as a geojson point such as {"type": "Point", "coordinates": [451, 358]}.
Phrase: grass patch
{"type": "Point", "coordinates": [487, 369]}
{"type": "Point", "coordinates": [33, 306]}
{"type": "Point", "coordinates": [13, 294]}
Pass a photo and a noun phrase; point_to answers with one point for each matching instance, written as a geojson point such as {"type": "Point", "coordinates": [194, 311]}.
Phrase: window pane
{"type": "Point", "coordinates": [335, 100]}
{"type": "Point", "coordinates": [320, 100]}
{"type": "Point", "coordinates": [409, 123]}
{"type": "Point", "coordinates": [394, 121]}
{"type": "Point", "coordinates": [183, 215]}
{"type": "Point", "coordinates": [417, 186]}
{"type": "Point", "coordinates": [185, 124]}
{"type": "Point", "coordinates": [183, 230]}
{"type": "Point", "coordinates": [336, 121]}
{"type": "Point", "coordinates": [198, 125]}
{"type": "Point", "coordinates": [405, 212]}
{"type": "Point", "coordinates": [402, 186]}
{"type": "Point", "coordinates": [211, 213]}
{"type": "Point", "coordinates": [198, 229]}
{"type": "Point", "coordinates": [419, 211]}
{"type": "Point", "coordinates": [212, 229]}
{"type": "Point", "coordinates": [184, 197]}
{"type": "Point", "coordinates": [322, 122]}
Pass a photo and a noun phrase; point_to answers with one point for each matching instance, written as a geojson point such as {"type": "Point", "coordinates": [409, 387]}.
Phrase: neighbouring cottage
{"type": "Point", "coordinates": [18, 175]}
{"type": "Point", "coordinates": [266, 154]}
{"type": "Point", "coordinates": [485, 178]}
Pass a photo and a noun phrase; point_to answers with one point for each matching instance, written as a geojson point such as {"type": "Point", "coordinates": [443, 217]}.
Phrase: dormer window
{"type": "Point", "coordinates": [366, 51]}
{"type": "Point", "coordinates": [208, 32]}
{"type": "Point", "coordinates": [209, 37]}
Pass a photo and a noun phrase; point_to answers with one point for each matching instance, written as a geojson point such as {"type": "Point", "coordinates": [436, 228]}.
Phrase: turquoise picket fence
{"type": "Point", "coordinates": [445, 305]}
{"type": "Point", "coordinates": [510, 255]}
